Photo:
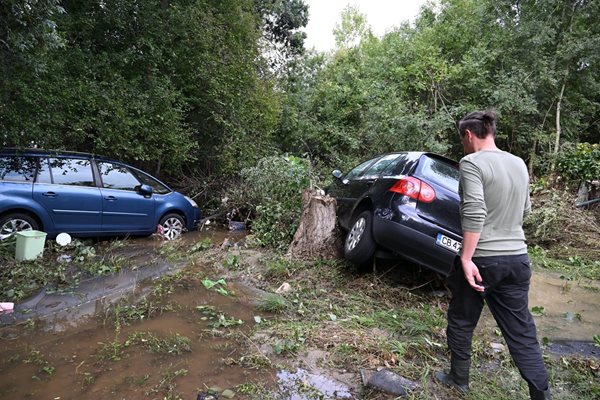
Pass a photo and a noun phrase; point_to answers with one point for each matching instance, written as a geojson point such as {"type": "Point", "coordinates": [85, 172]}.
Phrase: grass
{"type": "Point", "coordinates": [358, 321]}
{"type": "Point", "coordinates": [362, 321]}
{"type": "Point", "coordinates": [573, 268]}
{"type": "Point", "coordinates": [272, 303]}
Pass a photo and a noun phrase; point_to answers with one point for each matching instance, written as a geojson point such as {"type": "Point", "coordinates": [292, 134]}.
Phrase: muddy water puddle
{"type": "Point", "coordinates": [566, 313]}
{"type": "Point", "coordinates": [71, 348]}
{"type": "Point", "coordinates": [565, 309]}
{"type": "Point", "coordinates": [176, 353]}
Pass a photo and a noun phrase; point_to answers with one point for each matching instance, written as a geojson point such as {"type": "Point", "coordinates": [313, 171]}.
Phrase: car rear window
{"type": "Point", "coordinates": [440, 171]}
{"type": "Point", "coordinates": [17, 169]}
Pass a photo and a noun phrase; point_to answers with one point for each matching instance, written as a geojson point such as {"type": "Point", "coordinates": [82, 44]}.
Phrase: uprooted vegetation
{"type": "Point", "coordinates": [562, 229]}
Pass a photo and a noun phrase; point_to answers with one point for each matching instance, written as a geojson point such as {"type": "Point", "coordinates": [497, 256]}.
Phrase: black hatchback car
{"type": "Point", "coordinates": [406, 203]}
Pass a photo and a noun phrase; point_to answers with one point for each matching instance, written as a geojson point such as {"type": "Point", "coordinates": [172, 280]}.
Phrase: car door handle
{"type": "Point", "coordinates": [370, 182]}
{"type": "Point", "coordinates": [49, 194]}
{"type": "Point", "coordinates": [110, 198]}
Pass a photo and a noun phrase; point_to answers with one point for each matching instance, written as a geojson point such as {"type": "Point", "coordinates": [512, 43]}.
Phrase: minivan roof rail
{"type": "Point", "coordinates": [35, 150]}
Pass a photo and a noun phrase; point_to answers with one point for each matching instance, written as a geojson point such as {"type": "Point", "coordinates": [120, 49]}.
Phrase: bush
{"type": "Point", "coordinates": [273, 189]}
{"type": "Point", "coordinates": [580, 162]}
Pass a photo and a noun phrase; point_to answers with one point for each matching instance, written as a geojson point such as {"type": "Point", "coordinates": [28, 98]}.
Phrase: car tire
{"type": "Point", "coordinates": [172, 225]}
{"type": "Point", "coordinates": [359, 246]}
{"type": "Point", "coordinates": [13, 223]}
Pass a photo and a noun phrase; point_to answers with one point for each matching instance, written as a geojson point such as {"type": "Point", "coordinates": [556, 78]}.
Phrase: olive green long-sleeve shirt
{"type": "Point", "coordinates": [494, 200]}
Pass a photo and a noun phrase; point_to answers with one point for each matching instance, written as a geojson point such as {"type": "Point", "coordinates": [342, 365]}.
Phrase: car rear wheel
{"type": "Point", "coordinates": [13, 223]}
{"type": "Point", "coordinates": [172, 226]}
{"type": "Point", "coordinates": [359, 246]}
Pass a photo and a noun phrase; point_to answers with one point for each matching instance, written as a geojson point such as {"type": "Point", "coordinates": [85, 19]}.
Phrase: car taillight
{"type": "Point", "coordinates": [415, 189]}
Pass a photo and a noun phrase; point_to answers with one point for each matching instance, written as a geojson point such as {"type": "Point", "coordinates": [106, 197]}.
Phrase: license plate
{"type": "Point", "coordinates": [448, 243]}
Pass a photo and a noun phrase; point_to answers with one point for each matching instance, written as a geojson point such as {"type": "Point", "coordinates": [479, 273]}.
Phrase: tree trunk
{"type": "Point", "coordinates": [562, 92]}
{"type": "Point", "coordinates": [317, 236]}
{"type": "Point", "coordinates": [558, 108]}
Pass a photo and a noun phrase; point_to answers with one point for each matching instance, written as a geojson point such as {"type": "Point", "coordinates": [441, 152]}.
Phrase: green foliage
{"type": "Point", "coordinates": [217, 319]}
{"type": "Point", "coordinates": [282, 20]}
{"type": "Point", "coordinates": [407, 90]}
{"type": "Point", "coordinates": [217, 286]}
{"type": "Point", "coordinates": [580, 162]}
{"type": "Point", "coordinates": [153, 83]}
{"type": "Point", "coordinates": [277, 268]}
{"type": "Point", "coordinates": [202, 245]}
{"type": "Point", "coordinates": [273, 188]}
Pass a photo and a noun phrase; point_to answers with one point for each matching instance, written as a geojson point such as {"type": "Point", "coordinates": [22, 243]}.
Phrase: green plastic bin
{"type": "Point", "coordinates": [30, 245]}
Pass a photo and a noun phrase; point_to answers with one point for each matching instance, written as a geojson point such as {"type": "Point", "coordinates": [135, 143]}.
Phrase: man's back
{"type": "Point", "coordinates": [494, 189]}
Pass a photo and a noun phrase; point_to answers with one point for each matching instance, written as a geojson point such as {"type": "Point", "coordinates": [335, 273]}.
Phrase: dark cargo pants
{"type": "Point", "coordinates": [506, 281]}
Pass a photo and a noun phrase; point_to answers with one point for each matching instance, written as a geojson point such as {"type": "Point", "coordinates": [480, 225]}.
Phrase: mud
{"type": "Point", "coordinates": [566, 314]}
{"type": "Point", "coordinates": [73, 351]}
{"type": "Point", "coordinates": [83, 365]}
{"type": "Point", "coordinates": [570, 308]}
{"type": "Point", "coordinates": [60, 345]}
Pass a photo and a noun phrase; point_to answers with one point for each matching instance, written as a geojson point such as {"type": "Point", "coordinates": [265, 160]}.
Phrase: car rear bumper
{"type": "Point", "coordinates": [413, 244]}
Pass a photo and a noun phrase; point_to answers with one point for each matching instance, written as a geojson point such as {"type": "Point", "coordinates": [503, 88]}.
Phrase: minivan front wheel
{"type": "Point", "coordinates": [13, 223]}
{"type": "Point", "coordinates": [359, 246]}
{"type": "Point", "coordinates": [172, 226]}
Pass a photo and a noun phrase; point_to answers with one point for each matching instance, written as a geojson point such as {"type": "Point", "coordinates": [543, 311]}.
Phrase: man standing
{"type": "Point", "coordinates": [493, 264]}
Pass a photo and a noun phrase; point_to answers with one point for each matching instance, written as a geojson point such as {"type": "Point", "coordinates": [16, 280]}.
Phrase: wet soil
{"type": "Point", "coordinates": [74, 351]}
{"type": "Point", "coordinates": [82, 366]}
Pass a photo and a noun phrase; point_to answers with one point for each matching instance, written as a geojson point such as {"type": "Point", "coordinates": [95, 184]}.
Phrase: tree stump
{"type": "Point", "coordinates": [317, 235]}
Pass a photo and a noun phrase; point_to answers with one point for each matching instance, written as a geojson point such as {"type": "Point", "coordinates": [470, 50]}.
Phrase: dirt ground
{"type": "Point", "coordinates": [211, 315]}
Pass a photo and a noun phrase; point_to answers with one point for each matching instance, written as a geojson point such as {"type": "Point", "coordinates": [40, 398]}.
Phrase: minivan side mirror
{"type": "Point", "coordinates": [145, 190]}
{"type": "Point", "coordinates": [337, 173]}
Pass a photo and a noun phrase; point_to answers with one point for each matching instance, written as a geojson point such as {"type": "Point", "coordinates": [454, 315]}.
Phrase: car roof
{"type": "Point", "coordinates": [20, 151]}
{"type": "Point", "coordinates": [415, 155]}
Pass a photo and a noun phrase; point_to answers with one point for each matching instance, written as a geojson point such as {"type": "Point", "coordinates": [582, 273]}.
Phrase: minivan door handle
{"type": "Point", "coordinates": [49, 194]}
{"type": "Point", "coordinates": [110, 198]}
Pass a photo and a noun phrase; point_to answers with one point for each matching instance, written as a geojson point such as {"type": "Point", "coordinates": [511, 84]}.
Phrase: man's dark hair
{"type": "Point", "coordinates": [481, 123]}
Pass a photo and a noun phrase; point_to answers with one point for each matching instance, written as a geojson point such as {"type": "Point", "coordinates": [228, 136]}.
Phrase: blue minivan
{"type": "Point", "coordinates": [86, 195]}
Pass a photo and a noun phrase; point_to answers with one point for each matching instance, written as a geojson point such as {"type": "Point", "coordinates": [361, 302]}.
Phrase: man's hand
{"type": "Point", "coordinates": [472, 274]}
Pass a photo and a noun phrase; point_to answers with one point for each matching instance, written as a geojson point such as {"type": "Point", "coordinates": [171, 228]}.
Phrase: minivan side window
{"type": "Point", "coordinates": [115, 176]}
{"type": "Point", "coordinates": [17, 169]}
{"type": "Point", "coordinates": [71, 171]}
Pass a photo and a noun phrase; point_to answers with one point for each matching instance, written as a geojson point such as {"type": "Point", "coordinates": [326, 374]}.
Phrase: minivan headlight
{"type": "Point", "coordinates": [192, 202]}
